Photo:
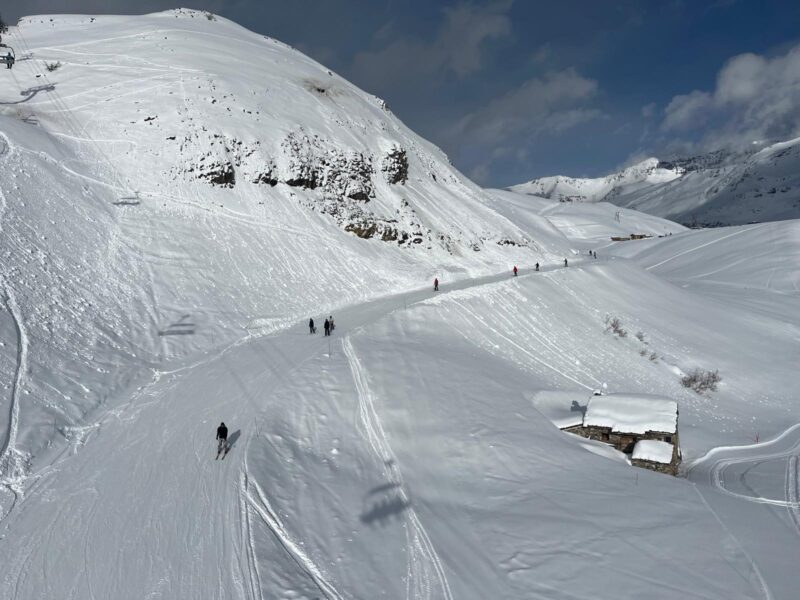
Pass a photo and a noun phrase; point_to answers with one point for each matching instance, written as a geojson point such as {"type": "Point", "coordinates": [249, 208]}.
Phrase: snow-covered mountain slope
{"type": "Point", "coordinates": [153, 287]}
{"type": "Point", "coordinates": [571, 189]}
{"type": "Point", "coordinates": [753, 266]}
{"type": "Point", "coordinates": [721, 188]}
{"type": "Point", "coordinates": [176, 182]}
{"type": "Point", "coordinates": [584, 225]}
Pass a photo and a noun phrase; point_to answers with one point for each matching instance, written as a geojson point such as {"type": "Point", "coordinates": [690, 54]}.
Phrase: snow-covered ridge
{"type": "Point", "coordinates": [571, 189]}
{"type": "Point", "coordinates": [723, 187]}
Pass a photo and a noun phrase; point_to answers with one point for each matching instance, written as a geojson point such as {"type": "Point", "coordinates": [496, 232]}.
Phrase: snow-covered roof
{"type": "Point", "coordinates": [626, 413]}
{"type": "Point", "coordinates": [653, 450]}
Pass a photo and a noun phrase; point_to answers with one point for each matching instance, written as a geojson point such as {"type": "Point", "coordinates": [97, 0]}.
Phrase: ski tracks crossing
{"type": "Point", "coordinates": [425, 569]}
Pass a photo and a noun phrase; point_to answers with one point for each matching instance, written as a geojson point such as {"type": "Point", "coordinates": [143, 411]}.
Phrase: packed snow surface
{"type": "Point", "coordinates": [179, 196]}
{"type": "Point", "coordinates": [653, 450]}
{"type": "Point", "coordinates": [627, 413]}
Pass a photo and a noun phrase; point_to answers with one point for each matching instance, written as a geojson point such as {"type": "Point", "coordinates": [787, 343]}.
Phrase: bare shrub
{"type": "Point", "coordinates": [210, 16]}
{"type": "Point", "coordinates": [643, 352]}
{"type": "Point", "coordinates": [640, 337]}
{"type": "Point", "coordinates": [653, 356]}
{"type": "Point", "coordinates": [614, 325]}
{"type": "Point", "coordinates": [52, 66]}
{"type": "Point", "coordinates": [701, 380]}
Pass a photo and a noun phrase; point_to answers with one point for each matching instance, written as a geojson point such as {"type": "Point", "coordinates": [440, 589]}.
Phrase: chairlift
{"type": "Point", "coordinates": [7, 55]}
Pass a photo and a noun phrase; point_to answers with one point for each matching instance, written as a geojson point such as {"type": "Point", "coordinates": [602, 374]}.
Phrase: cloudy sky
{"type": "Point", "coordinates": [513, 90]}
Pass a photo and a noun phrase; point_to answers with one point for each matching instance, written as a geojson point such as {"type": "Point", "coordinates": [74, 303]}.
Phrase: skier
{"type": "Point", "coordinates": [327, 326]}
{"type": "Point", "coordinates": [222, 437]}
{"type": "Point", "coordinates": [566, 264]}
{"type": "Point", "coordinates": [330, 320]}
{"type": "Point", "coordinates": [515, 270]}
{"type": "Point", "coordinates": [436, 284]}
{"type": "Point", "coordinates": [595, 254]}
{"type": "Point", "coordinates": [537, 266]}
{"type": "Point", "coordinates": [311, 328]}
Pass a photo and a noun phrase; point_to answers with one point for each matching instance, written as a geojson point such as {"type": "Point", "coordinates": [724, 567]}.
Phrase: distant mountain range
{"type": "Point", "coordinates": [719, 188]}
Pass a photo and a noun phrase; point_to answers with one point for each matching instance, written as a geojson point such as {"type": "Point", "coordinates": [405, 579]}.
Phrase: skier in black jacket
{"type": "Point", "coordinates": [222, 436]}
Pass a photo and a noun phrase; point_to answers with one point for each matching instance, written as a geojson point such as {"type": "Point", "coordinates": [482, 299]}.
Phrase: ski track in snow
{"type": "Point", "coordinates": [11, 460]}
{"type": "Point", "coordinates": [714, 241]}
{"type": "Point", "coordinates": [719, 466]}
{"type": "Point", "coordinates": [793, 490]}
{"type": "Point", "coordinates": [263, 508]}
{"type": "Point", "coordinates": [422, 556]}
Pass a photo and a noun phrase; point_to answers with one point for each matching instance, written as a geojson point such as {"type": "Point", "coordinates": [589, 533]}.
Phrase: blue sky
{"type": "Point", "coordinates": [513, 90]}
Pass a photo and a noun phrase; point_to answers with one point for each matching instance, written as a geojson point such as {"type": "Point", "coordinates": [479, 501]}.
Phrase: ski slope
{"type": "Point", "coordinates": [406, 456]}
{"type": "Point", "coordinates": [330, 491]}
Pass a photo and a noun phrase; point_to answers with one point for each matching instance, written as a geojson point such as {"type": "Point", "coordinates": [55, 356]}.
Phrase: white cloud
{"type": "Point", "coordinates": [648, 110]}
{"type": "Point", "coordinates": [551, 104]}
{"type": "Point", "coordinates": [755, 98]}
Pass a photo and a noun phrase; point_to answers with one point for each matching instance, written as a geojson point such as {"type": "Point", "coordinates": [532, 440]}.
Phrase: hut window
{"type": "Point", "coordinates": [668, 439]}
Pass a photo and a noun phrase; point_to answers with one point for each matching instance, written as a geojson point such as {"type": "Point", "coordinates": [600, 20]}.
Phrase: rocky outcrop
{"type": "Point", "coordinates": [395, 165]}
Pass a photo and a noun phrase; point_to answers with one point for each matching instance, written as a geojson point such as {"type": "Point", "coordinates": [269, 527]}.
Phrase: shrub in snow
{"type": "Point", "coordinates": [701, 380]}
{"type": "Point", "coordinates": [640, 337]}
{"type": "Point", "coordinates": [52, 66]}
{"type": "Point", "coordinates": [653, 356]}
{"type": "Point", "coordinates": [643, 352]}
{"type": "Point", "coordinates": [614, 325]}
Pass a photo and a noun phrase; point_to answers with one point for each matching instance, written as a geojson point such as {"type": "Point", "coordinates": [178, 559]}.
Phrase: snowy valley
{"type": "Point", "coordinates": [180, 195]}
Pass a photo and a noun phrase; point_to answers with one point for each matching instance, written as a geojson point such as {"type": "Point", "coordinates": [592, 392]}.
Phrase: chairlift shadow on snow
{"type": "Point", "coordinates": [128, 201]}
{"type": "Point", "coordinates": [383, 503]}
{"type": "Point", "coordinates": [181, 327]}
{"type": "Point", "coordinates": [31, 92]}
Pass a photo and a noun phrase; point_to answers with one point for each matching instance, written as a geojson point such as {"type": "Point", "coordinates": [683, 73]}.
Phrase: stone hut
{"type": "Point", "coordinates": [643, 427]}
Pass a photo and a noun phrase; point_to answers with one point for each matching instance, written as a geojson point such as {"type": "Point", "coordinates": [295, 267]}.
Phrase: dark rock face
{"type": "Point", "coordinates": [314, 164]}
{"type": "Point", "coordinates": [395, 166]}
{"type": "Point", "coordinates": [218, 173]}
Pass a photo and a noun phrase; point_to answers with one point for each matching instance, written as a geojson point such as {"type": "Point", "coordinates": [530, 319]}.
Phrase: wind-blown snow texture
{"type": "Point", "coordinates": [154, 287]}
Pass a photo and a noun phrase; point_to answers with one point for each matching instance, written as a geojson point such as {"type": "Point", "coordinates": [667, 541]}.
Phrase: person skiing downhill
{"type": "Point", "coordinates": [327, 326]}
{"type": "Point", "coordinates": [330, 320]}
{"type": "Point", "coordinates": [222, 437]}
{"type": "Point", "coordinates": [537, 266]}
{"type": "Point", "coordinates": [436, 284]}
{"type": "Point", "coordinates": [566, 264]}
{"type": "Point", "coordinates": [311, 328]}
{"type": "Point", "coordinates": [515, 270]}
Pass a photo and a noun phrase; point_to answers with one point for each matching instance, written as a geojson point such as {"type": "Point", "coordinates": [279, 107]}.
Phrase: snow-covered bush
{"type": "Point", "coordinates": [52, 66]}
{"type": "Point", "coordinates": [701, 380]}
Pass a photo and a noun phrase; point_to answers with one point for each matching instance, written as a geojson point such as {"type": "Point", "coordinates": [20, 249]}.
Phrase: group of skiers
{"type": "Point", "coordinates": [328, 326]}
{"type": "Point", "coordinates": [515, 270]}
{"type": "Point", "coordinates": [222, 430]}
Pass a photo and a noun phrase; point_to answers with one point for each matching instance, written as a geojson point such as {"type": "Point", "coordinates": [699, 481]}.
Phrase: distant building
{"type": "Point", "coordinates": [633, 236]}
{"type": "Point", "coordinates": [644, 427]}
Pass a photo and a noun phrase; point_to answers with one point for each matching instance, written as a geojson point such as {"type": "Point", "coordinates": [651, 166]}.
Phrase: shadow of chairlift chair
{"type": "Point", "coordinates": [7, 55]}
